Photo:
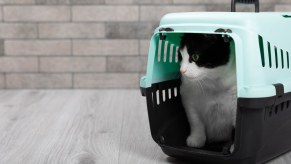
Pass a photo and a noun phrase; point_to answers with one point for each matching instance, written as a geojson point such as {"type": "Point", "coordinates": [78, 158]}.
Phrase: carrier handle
{"type": "Point", "coordinates": [255, 2]}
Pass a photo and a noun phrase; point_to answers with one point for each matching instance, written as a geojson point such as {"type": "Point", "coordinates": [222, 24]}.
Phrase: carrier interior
{"type": "Point", "coordinates": [169, 124]}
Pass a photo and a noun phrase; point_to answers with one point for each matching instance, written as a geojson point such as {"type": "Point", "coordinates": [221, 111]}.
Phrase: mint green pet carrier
{"type": "Point", "coordinates": [261, 43]}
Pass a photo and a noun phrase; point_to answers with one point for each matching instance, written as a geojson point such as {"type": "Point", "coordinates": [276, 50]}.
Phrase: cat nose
{"type": "Point", "coordinates": [183, 71]}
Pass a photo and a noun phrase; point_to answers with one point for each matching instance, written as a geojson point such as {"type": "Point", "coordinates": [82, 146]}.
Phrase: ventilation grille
{"type": "Point", "coordinates": [167, 52]}
{"type": "Point", "coordinates": [164, 92]}
{"type": "Point", "coordinates": [278, 58]}
{"type": "Point", "coordinates": [274, 111]}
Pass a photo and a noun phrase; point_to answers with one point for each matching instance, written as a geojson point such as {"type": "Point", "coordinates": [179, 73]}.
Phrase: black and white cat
{"type": "Point", "coordinates": [208, 88]}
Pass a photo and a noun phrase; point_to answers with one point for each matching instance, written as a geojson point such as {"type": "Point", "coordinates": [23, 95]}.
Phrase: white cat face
{"type": "Point", "coordinates": [191, 70]}
{"type": "Point", "coordinates": [203, 56]}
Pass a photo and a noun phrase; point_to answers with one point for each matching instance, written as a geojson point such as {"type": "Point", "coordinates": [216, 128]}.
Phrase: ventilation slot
{"type": "Point", "coordinates": [169, 93]}
{"type": "Point", "coordinates": [282, 58]}
{"type": "Point", "coordinates": [176, 55]}
{"type": "Point", "coordinates": [175, 92]}
{"type": "Point", "coordinates": [270, 54]}
{"type": "Point", "coordinates": [287, 54]}
{"type": "Point", "coordinates": [171, 53]}
{"type": "Point", "coordinates": [159, 49]}
{"type": "Point", "coordinates": [159, 97]}
{"type": "Point", "coordinates": [262, 50]}
{"type": "Point", "coordinates": [276, 57]}
{"type": "Point", "coordinates": [164, 95]}
{"type": "Point", "coordinates": [277, 110]}
{"type": "Point", "coordinates": [166, 51]}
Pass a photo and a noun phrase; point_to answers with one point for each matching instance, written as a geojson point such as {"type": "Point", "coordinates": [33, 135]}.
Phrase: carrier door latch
{"type": "Point", "coordinates": [225, 37]}
{"type": "Point", "coordinates": [279, 89]}
{"type": "Point", "coordinates": [279, 92]}
{"type": "Point", "coordinates": [167, 29]}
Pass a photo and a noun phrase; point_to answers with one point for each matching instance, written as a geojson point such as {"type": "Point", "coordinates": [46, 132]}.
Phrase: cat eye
{"type": "Point", "coordinates": [195, 57]}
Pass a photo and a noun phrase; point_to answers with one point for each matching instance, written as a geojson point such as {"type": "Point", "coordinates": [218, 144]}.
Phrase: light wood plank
{"type": "Point", "coordinates": [83, 127]}
{"type": "Point", "coordinates": [137, 145]}
{"type": "Point", "coordinates": [79, 127]}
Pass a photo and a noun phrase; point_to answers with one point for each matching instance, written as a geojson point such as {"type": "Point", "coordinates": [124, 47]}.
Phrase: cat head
{"type": "Point", "coordinates": [201, 55]}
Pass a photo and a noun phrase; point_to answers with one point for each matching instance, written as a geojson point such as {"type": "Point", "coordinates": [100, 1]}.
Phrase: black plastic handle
{"type": "Point", "coordinates": [255, 2]}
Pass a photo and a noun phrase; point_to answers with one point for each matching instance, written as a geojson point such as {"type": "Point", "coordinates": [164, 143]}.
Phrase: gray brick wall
{"type": "Point", "coordinates": [63, 44]}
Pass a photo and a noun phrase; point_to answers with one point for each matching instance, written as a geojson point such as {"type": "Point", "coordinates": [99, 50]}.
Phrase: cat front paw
{"type": "Point", "coordinates": [195, 140]}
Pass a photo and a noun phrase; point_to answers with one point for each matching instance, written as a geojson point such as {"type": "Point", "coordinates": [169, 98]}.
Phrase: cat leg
{"type": "Point", "coordinates": [197, 137]}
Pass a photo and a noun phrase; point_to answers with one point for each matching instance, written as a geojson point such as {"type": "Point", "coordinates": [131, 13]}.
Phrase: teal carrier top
{"type": "Point", "coordinates": [262, 46]}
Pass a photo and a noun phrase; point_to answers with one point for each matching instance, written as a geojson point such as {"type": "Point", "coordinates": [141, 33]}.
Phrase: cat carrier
{"type": "Point", "coordinates": [261, 43]}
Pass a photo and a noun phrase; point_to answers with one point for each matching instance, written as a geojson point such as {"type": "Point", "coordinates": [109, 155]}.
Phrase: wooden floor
{"type": "Point", "coordinates": [79, 127]}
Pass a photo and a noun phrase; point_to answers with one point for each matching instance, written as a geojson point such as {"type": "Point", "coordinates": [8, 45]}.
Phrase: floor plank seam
{"type": "Point", "coordinates": [120, 137]}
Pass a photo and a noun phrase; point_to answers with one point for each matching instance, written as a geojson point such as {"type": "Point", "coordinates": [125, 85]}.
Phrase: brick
{"type": "Point", "coordinates": [144, 46]}
{"type": "Point", "coordinates": [18, 64]}
{"type": "Point", "coordinates": [200, 1]}
{"type": "Point", "coordinates": [37, 13]}
{"type": "Point", "coordinates": [105, 13]}
{"type": "Point", "coordinates": [155, 13]}
{"type": "Point", "coordinates": [12, 2]}
{"type": "Point", "coordinates": [126, 64]}
{"type": "Point", "coordinates": [38, 81]}
{"type": "Point", "coordinates": [71, 30]}
{"type": "Point", "coordinates": [136, 30]}
{"type": "Point", "coordinates": [73, 64]}
{"type": "Point", "coordinates": [37, 47]}
{"type": "Point", "coordinates": [52, 2]}
{"type": "Point", "coordinates": [1, 13]}
{"type": "Point", "coordinates": [18, 30]}
{"type": "Point", "coordinates": [139, 2]}
{"type": "Point", "coordinates": [283, 8]}
{"type": "Point", "coordinates": [154, 1]}
{"type": "Point", "coordinates": [105, 47]}
{"type": "Point", "coordinates": [120, 1]}
{"type": "Point", "coordinates": [275, 1]}
{"type": "Point", "coordinates": [2, 81]}
{"type": "Point", "coordinates": [107, 80]}
{"type": "Point", "coordinates": [87, 2]}
{"type": "Point", "coordinates": [218, 7]}
{"type": "Point", "coordinates": [1, 47]}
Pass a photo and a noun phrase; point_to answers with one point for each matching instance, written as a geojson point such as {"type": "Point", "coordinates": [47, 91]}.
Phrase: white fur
{"type": "Point", "coordinates": [209, 98]}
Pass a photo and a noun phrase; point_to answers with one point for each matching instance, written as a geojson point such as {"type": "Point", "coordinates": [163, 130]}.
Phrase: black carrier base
{"type": "Point", "coordinates": [263, 127]}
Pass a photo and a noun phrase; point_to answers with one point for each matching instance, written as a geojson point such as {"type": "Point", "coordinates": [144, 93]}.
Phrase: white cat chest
{"type": "Point", "coordinates": [261, 43]}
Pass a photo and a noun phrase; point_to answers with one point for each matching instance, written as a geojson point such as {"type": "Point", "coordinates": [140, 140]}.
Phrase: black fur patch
{"type": "Point", "coordinates": [213, 51]}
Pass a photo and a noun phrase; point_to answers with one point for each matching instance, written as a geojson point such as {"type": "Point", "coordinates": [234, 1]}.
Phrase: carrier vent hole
{"type": "Point", "coordinates": [282, 106]}
{"type": "Point", "coordinates": [282, 58]}
{"type": "Point", "coordinates": [270, 55]}
{"type": "Point", "coordinates": [158, 97]}
{"type": "Point", "coordinates": [276, 56]}
{"type": "Point", "coordinates": [165, 51]}
{"type": "Point", "coordinates": [159, 50]}
{"type": "Point", "coordinates": [171, 53]}
{"type": "Point", "coordinates": [175, 92]}
{"type": "Point", "coordinates": [176, 55]}
{"type": "Point", "coordinates": [164, 95]}
{"type": "Point", "coordinates": [287, 54]}
{"type": "Point", "coordinates": [169, 93]}
{"type": "Point", "coordinates": [276, 109]}
{"type": "Point", "coordinates": [270, 112]}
